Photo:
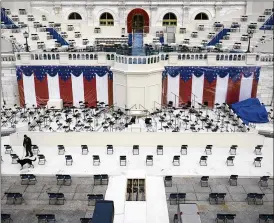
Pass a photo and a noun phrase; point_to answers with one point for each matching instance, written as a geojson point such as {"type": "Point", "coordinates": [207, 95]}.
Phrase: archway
{"type": "Point", "coordinates": [138, 20]}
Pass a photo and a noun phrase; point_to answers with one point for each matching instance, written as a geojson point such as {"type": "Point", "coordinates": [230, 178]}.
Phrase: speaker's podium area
{"type": "Point", "coordinates": [152, 112]}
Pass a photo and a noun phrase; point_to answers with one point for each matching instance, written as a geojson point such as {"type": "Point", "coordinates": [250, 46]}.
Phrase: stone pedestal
{"type": "Point", "coordinates": [139, 90]}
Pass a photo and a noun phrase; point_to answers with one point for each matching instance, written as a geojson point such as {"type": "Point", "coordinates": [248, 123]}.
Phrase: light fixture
{"type": "Point", "coordinates": [26, 34]}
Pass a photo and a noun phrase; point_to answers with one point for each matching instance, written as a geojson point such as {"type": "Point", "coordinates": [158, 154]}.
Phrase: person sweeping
{"type": "Point", "coordinates": [27, 144]}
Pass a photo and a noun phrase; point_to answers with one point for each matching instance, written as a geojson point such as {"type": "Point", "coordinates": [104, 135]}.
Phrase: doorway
{"type": "Point", "coordinates": [138, 23]}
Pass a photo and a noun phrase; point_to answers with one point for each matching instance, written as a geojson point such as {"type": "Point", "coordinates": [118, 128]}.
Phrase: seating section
{"type": "Point", "coordinates": [217, 193]}
{"type": "Point", "coordinates": [56, 35]}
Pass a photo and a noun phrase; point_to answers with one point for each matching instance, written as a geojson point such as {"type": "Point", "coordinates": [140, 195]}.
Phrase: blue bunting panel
{"type": "Point", "coordinates": [211, 73]}
{"type": "Point", "coordinates": [64, 72]}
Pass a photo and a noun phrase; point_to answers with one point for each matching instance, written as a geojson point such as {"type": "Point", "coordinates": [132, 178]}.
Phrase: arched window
{"type": "Point", "coordinates": [201, 16]}
{"type": "Point", "coordinates": [170, 19]}
{"type": "Point", "coordinates": [74, 16]}
{"type": "Point", "coordinates": [106, 19]}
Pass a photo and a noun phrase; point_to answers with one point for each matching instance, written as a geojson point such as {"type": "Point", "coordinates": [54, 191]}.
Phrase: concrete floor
{"type": "Point", "coordinates": [235, 198]}
{"type": "Point", "coordinates": [36, 199]}
{"type": "Point", "coordinates": [75, 207]}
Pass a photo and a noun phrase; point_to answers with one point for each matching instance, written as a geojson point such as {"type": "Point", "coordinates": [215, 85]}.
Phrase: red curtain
{"type": "Point", "coordinates": [254, 88]}
{"type": "Point", "coordinates": [41, 90]}
{"type": "Point", "coordinates": [110, 91]}
{"type": "Point", "coordinates": [185, 91]}
{"type": "Point", "coordinates": [209, 92]}
{"type": "Point", "coordinates": [21, 91]}
{"type": "Point", "coordinates": [164, 91]}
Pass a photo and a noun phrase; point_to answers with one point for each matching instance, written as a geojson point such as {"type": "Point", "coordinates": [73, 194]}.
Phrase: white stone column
{"type": "Point", "coordinates": [152, 22]}
{"type": "Point", "coordinates": [57, 10]}
{"type": "Point", "coordinates": [185, 16]}
{"type": "Point", "coordinates": [217, 11]}
{"type": "Point", "coordinates": [122, 16]}
{"type": "Point", "coordinates": [90, 17]}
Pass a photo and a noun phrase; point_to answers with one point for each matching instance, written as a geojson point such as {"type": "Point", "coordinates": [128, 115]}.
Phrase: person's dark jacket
{"type": "Point", "coordinates": [27, 142]}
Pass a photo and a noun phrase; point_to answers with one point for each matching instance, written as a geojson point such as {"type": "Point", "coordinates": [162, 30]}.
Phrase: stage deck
{"type": "Point", "coordinates": [110, 164]}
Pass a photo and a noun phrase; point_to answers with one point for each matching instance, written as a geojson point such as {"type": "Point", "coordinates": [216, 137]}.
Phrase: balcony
{"type": "Point", "coordinates": [139, 62]}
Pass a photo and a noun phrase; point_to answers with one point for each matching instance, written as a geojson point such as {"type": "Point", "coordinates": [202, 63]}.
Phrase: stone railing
{"type": "Point", "coordinates": [137, 59]}
{"type": "Point", "coordinates": [7, 57]}
{"type": "Point", "coordinates": [164, 59]}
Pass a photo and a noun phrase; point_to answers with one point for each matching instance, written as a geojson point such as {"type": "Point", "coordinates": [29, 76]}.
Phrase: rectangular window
{"type": "Point", "coordinates": [136, 190]}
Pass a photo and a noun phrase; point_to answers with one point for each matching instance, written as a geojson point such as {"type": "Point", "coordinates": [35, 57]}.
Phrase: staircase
{"type": "Point", "coordinates": [216, 39]}
{"type": "Point", "coordinates": [137, 44]}
{"type": "Point", "coordinates": [57, 36]}
{"type": "Point", "coordinates": [268, 25]}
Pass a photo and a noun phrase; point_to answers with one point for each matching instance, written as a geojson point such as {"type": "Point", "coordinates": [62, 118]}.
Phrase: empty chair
{"type": "Point", "coordinates": [149, 160]}
{"type": "Point", "coordinates": [35, 149]}
{"type": "Point", "coordinates": [14, 198]}
{"type": "Point", "coordinates": [184, 149]}
{"type": "Point", "coordinates": [61, 150]}
{"type": "Point", "coordinates": [203, 161]}
{"type": "Point", "coordinates": [258, 149]}
{"type": "Point", "coordinates": [251, 198]}
{"type": "Point", "coordinates": [97, 179]}
{"type": "Point", "coordinates": [225, 218]}
{"type": "Point", "coordinates": [181, 198]}
{"type": "Point", "coordinates": [41, 159]}
{"type": "Point", "coordinates": [259, 199]}
{"type": "Point", "coordinates": [258, 161]}
{"type": "Point", "coordinates": [5, 218]}
{"type": "Point", "coordinates": [96, 160]}
{"type": "Point", "coordinates": [84, 149]}
{"type": "Point", "coordinates": [135, 150]}
{"type": "Point", "coordinates": [28, 179]}
{"type": "Point", "coordinates": [266, 218]}
{"type": "Point", "coordinates": [168, 181]}
{"type": "Point", "coordinates": [104, 179]}
{"type": "Point", "coordinates": [8, 149]}
{"type": "Point", "coordinates": [69, 160]}
{"type": "Point", "coordinates": [123, 160]}
{"type": "Point", "coordinates": [160, 150]}
{"type": "Point", "coordinates": [173, 198]}
{"type": "Point", "coordinates": [230, 218]}
{"type": "Point", "coordinates": [63, 179]}
{"type": "Point", "coordinates": [176, 161]}
{"type": "Point", "coordinates": [86, 220]}
{"type": "Point", "coordinates": [213, 198]}
{"type": "Point", "coordinates": [56, 198]}
{"type": "Point", "coordinates": [14, 158]}
{"type": "Point", "coordinates": [92, 198]}
{"type": "Point", "coordinates": [230, 161]}
{"type": "Point", "coordinates": [45, 218]}
{"type": "Point", "coordinates": [109, 149]}
{"type": "Point", "coordinates": [233, 180]}
{"type": "Point", "coordinates": [221, 218]}
{"type": "Point", "coordinates": [221, 198]}
{"type": "Point", "coordinates": [204, 181]}
{"type": "Point", "coordinates": [263, 181]}
{"type": "Point", "coordinates": [233, 149]}
{"type": "Point", "coordinates": [208, 150]}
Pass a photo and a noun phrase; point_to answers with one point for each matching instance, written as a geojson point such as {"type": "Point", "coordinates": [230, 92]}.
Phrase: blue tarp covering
{"type": "Point", "coordinates": [130, 39]}
{"type": "Point", "coordinates": [103, 212]}
{"type": "Point", "coordinates": [57, 36]}
{"type": "Point", "coordinates": [6, 20]}
{"type": "Point", "coordinates": [251, 110]}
